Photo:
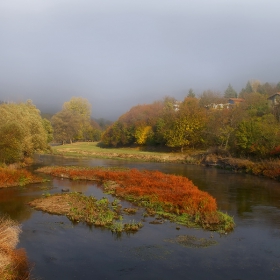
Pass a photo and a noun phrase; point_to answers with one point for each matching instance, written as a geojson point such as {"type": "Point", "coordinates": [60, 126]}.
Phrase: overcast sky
{"type": "Point", "coordinates": [120, 53]}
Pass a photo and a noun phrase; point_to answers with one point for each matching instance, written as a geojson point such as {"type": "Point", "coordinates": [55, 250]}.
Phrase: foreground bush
{"type": "Point", "coordinates": [17, 177]}
{"type": "Point", "coordinates": [13, 263]}
{"type": "Point", "coordinates": [174, 197]}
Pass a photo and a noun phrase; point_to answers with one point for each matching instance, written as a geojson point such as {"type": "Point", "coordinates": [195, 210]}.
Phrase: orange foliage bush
{"type": "Point", "coordinates": [16, 177]}
{"type": "Point", "coordinates": [175, 193]}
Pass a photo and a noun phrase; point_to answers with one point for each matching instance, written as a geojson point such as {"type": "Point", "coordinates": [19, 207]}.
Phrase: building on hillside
{"type": "Point", "coordinates": [235, 101]}
{"type": "Point", "coordinates": [274, 99]}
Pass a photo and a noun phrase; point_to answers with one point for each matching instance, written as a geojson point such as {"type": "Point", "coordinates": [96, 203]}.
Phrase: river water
{"type": "Point", "coordinates": [59, 249]}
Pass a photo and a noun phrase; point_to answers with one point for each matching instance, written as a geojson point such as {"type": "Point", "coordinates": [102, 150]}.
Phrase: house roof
{"type": "Point", "coordinates": [237, 99]}
{"type": "Point", "coordinates": [274, 95]}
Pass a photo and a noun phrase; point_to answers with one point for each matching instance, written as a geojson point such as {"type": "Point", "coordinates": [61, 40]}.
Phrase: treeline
{"type": "Point", "coordinates": [250, 127]}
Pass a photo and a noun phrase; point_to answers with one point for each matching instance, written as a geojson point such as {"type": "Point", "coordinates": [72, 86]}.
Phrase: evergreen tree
{"type": "Point", "coordinates": [191, 93]}
{"type": "Point", "coordinates": [230, 92]}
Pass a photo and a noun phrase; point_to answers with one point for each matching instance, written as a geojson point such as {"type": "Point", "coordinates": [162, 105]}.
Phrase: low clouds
{"type": "Point", "coordinates": [121, 53]}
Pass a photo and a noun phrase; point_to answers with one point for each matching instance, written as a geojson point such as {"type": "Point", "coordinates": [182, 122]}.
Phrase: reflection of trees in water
{"type": "Point", "coordinates": [235, 193]}
{"type": "Point", "coordinates": [15, 205]}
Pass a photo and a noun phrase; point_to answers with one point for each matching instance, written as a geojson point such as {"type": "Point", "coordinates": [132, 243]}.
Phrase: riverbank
{"type": "Point", "coordinates": [213, 158]}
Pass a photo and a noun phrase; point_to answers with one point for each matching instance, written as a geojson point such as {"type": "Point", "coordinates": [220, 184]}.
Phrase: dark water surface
{"type": "Point", "coordinates": [61, 250]}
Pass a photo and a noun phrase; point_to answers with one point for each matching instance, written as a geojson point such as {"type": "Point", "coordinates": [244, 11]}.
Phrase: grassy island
{"type": "Point", "coordinates": [172, 197]}
{"type": "Point", "coordinates": [78, 207]}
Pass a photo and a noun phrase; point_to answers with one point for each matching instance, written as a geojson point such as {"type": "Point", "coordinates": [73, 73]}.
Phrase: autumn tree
{"type": "Point", "coordinates": [10, 142]}
{"type": "Point", "coordinates": [22, 131]}
{"type": "Point", "coordinates": [93, 131]}
{"type": "Point", "coordinates": [184, 127]}
{"type": "Point", "coordinates": [73, 121]}
{"type": "Point", "coordinates": [66, 125]}
{"type": "Point", "coordinates": [255, 104]}
{"type": "Point", "coordinates": [221, 125]}
{"type": "Point", "coordinates": [118, 134]}
{"type": "Point", "coordinates": [135, 126]}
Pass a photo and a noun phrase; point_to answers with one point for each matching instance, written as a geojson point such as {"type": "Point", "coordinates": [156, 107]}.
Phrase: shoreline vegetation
{"type": "Point", "coordinates": [170, 197]}
{"type": "Point", "coordinates": [218, 158]}
{"type": "Point", "coordinates": [17, 177]}
{"type": "Point", "coordinates": [13, 262]}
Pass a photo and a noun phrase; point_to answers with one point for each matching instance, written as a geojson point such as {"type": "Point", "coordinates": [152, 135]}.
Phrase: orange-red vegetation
{"type": "Point", "coordinates": [16, 177]}
{"type": "Point", "coordinates": [175, 194]}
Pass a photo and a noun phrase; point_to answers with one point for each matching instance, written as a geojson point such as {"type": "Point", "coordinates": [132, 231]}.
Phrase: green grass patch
{"type": "Point", "coordinates": [80, 208]}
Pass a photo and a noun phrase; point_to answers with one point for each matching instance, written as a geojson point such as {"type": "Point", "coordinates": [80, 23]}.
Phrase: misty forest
{"type": "Point", "coordinates": [239, 132]}
{"type": "Point", "coordinates": [243, 125]}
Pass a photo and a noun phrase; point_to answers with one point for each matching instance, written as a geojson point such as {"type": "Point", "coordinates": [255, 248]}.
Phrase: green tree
{"type": "Point", "coordinates": [230, 92]}
{"type": "Point", "coordinates": [191, 93]}
{"type": "Point", "coordinates": [49, 129]}
{"type": "Point", "coordinates": [257, 136]}
{"type": "Point", "coordinates": [10, 142]}
{"type": "Point", "coordinates": [247, 89]}
{"type": "Point", "coordinates": [118, 134]}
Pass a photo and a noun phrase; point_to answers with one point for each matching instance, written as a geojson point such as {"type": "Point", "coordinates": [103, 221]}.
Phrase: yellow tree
{"type": "Point", "coordinates": [184, 127]}
{"type": "Point", "coordinates": [80, 106]}
{"type": "Point", "coordinates": [22, 130]}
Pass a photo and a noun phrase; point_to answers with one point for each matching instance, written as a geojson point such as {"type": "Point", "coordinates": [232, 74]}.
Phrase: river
{"type": "Point", "coordinates": [59, 249]}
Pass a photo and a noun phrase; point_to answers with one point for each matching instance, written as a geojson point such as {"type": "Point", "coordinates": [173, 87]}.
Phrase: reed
{"type": "Point", "coordinates": [13, 263]}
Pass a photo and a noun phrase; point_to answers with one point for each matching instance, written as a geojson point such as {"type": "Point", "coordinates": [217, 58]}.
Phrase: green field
{"type": "Point", "coordinates": [91, 149]}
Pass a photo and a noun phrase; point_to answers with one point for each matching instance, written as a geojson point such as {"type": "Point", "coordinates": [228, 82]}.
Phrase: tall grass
{"type": "Point", "coordinates": [13, 263]}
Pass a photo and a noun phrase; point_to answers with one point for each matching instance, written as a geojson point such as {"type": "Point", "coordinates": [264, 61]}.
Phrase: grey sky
{"type": "Point", "coordinates": [120, 53]}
